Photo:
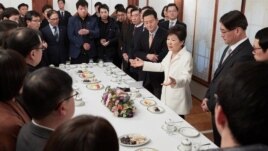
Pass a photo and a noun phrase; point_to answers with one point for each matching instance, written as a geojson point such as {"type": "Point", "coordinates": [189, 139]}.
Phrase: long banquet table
{"type": "Point", "coordinates": [143, 122]}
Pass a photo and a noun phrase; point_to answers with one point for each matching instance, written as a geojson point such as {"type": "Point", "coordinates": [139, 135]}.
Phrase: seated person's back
{"type": "Point", "coordinates": [48, 96]}
{"type": "Point", "coordinates": [12, 114]}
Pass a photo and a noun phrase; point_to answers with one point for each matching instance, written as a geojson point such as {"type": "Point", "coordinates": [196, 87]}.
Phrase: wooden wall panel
{"type": "Point", "coordinates": [133, 2]}
{"type": "Point", "coordinates": [179, 3]}
{"type": "Point", "coordinates": [37, 4]}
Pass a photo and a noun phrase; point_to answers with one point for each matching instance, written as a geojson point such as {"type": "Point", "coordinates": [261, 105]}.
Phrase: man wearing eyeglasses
{"type": "Point", "coordinates": [49, 98]}
{"type": "Point", "coordinates": [233, 27]}
{"type": "Point", "coordinates": [28, 43]}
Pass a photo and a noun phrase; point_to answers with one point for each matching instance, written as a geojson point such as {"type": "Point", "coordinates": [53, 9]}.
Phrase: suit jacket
{"type": "Point", "coordinates": [137, 33]}
{"type": "Point", "coordinates": [165, 24]}
{"type": "Point", "coordinates": [241, 53]}
{"type": "Point", "coordinates": [32, 138]}
{"type": "Point", "coordinates": [12, 118]}
{"type": "Point", "coordinates": [64, 19]}
{"type": "Point", "coordinates": [180, 68]}
{"type": "Point", "coordinates": [76, 40]}
{"type": "Point", "coordinates": [110, 32]}
{"type": "Point", "coordinates": [158, 47]}
{"type": "Point", "coordinates": [57, 51]}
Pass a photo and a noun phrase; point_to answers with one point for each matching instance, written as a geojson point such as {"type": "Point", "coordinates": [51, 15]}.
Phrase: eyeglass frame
{"type": "Point", "coordinates": [75, 93]}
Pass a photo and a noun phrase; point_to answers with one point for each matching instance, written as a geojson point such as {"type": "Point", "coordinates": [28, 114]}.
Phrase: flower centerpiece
{"type": "Point", "coordinates": [118, 102]}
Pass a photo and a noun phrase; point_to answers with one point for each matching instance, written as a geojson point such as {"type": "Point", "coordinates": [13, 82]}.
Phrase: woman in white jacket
{"type": "Point", "coordinates": [178, 67]}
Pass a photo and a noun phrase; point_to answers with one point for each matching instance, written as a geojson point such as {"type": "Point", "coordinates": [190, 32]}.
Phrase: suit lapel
{"type": "Point", "coordinates": [223, 54]}
{"type": "Point", "coordinates": [229, 60]}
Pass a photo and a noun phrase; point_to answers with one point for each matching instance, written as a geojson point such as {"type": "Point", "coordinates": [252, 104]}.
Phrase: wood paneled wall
{"type": "Point", "coordinates": [37, 4]}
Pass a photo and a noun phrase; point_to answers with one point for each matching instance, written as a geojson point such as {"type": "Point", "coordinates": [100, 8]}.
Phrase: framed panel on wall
{"type": "Point", "coordinates": [256, 13]}
{"type": "Point", "coordinates": [203, 38]}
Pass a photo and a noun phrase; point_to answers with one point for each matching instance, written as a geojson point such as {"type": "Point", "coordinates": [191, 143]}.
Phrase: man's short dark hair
{"type": "Point", "coordinates": [171, 5]}
{"type": "Point", "coordinates": [103, 6]}
{"type": "Point", "coordinates": [262, 36]}
{"type": "Point", "coordinates": [97, 4]}
{"type": "Point", "coordinates": [82, 3]}
{"type": "Point", "coordinates": [51, 12]}
{"type": "Point", "coordinates": [30, 14]}
{"type": "Point", "coordinates": [23, 5]}
{"type": "Point", "coordinates": [130, 6]}
{"type": "Point", "coordinates": [45, 7]}
{"type": "Point", "coordinates": [44, 89]}
{"type": "Point", "coordinates": [150, 12]}
{"type": "Point", "coordinates": [118, 6]}
{"type": "Point", "coordinates": [234, 19]}
{"type": "Point", "coordinates": [5, 27]}
{"type": "Point", "coordinates": [242, 94]}
{"type": "Point", "coordinates": [135, 9]}
{"type": "Point", "coordinates": [62, 1]}
{"type": "Point", "coordinates": [123, 10]}
{"type": "Point", "coordinates": [10, 11]}
{"type": "Point", "coordinates": [146, 7]}
{"type": "Point", "coordinates": [13, 70]}
{"type": "Point", "coordinates": [23, 40]}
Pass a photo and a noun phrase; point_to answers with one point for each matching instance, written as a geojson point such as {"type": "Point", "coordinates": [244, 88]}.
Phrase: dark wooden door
{"type": "Point", "coordinates": [38, 4]}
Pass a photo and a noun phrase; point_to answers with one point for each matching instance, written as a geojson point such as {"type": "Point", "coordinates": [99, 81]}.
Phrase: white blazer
{"type": "Point", "coordinates": [180, 68]}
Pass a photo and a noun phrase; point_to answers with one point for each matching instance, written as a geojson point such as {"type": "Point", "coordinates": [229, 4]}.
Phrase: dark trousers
{"type": "Point", "coordinates": [216, 134]}
{"type": "Point", "coordinates": [82, 58]}
{"type": "Point", "coordinates": [129, 70]}
{"type": "Point", "coordinates": [155, 90]}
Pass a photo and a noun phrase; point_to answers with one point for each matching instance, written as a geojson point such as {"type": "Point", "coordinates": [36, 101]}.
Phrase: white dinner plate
{"type": "Point", "coordinates": [95, 86]}
{"type": "Point", "coordinates": [120, 73]}
{"type": "Point", "coordinates": [146, 149]}
{"type": "Point", "coordinates": [188, 132]}
{"type": "Point", "coordinates": [148, 102]}
{"type": "Point", "coordinates": [156, 109]}
{"type": "Point", "coordinates": [91, 81]}
{"type": "Point", "coordinates": [86, 75]}
{"type": "Point", "coordinates": [138, 138]}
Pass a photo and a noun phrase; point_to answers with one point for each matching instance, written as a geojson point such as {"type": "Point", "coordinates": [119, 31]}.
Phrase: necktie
{"type": "Point", "coordinates": [62, 14]}
{"type": "Point", "coordinates": [228, 52]}
{"type": "Point", "coordinates": [151, 37]}
{"type": "Point", "coordinates": [56, 33]}
{"type": "Point", "coordinates": [171, 24]}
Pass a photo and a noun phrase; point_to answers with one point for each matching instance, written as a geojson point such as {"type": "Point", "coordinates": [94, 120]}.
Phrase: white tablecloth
{"type": "Point", "coordinates": [143, 122]}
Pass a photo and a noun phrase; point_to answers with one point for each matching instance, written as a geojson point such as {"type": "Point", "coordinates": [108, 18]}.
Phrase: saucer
{"type": "Point", "coordinates": [156, 109]}
{"type": "Point", "coordinates": [172, 129]}
{"type": "Point", "coordinates": [188, 132]}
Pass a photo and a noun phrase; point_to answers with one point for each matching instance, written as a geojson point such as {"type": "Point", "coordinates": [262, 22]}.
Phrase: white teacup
{"type": "Point", "coordinates": [186, 145]}
{"type": "Point", "coordinates": [169, 126]}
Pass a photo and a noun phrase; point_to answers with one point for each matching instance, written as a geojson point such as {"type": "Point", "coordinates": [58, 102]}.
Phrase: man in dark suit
{"type": "Point", "coordinates": [172, 11]}
{"type": "Point", "coordinates": [23, 9]}
{"type": "Point", "coordinates": [152, 47]}
{"type": "Point", "coordinates": [233, 27]}
{"type": "Point", "coordinates": [47, 111]}
{"type": "Point", "coordinates": [56, 39]}
{"type": "Point", "coordinates": [64, 15]}
{"type": "Point", "coordinates": [82, 31]}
